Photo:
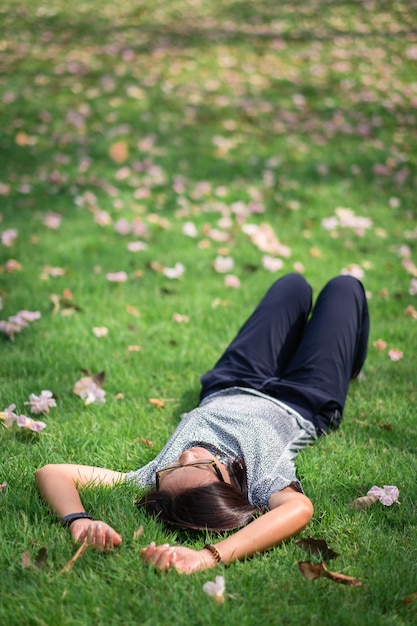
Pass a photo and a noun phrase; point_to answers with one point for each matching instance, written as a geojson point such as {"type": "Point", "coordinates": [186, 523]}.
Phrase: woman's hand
{"type": "Point", "coordinates": [97, 533]}
{"type": "Point", "coordinates": [184, 560]}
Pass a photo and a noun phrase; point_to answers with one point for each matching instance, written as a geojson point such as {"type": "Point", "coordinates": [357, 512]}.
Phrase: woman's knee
{"type": "Point", "coordinates": [346, 285]}
{"type": "Point", "coordinates": [295, 285]}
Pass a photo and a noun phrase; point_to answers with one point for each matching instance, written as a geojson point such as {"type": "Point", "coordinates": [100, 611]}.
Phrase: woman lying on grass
{"type": "Point", "coordinates": [279, 385]}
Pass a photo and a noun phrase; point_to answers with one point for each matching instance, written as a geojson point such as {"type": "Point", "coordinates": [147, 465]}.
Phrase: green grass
{"type": "Point", "coordinates": [223, 109]}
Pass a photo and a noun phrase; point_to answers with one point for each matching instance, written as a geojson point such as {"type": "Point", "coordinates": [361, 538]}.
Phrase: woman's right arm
{"type": "Point", "coordinates": [58, 485]}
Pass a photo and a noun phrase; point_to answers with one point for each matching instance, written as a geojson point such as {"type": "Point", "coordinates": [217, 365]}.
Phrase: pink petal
{"type": "Point", "coordinates": [395, 354]}
{"type": "Point", "coordinates": [117, 277]}
{"type": "Point", "coordinates": [376, 491]}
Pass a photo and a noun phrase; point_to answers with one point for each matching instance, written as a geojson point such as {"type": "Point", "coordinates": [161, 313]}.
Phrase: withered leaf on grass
{"type": "Point", "coordinates": [64, 304]}
{"type": "Point", "coordinates": [147, 442]}
{"type": "Point", "coordinates": [384, 426]}
{"type": "Point", "coordinates": [96, 378]}
{"type": "Point", "coordinates": [317, 547]}
{"type": "Point", "coordinates": [39, 561]}
{"type": "Point", "coordinates": [119, 151]}
{"type": "Point", "coordinates": [26, 559]}
{"type": "Point", "coordinates": [311, 571]}
{"type": "Point", "coordinates": [411, 598]}
{"type": "Point", "coordinates": [138, 533]}
{"type": "Point", "coordinates": [363, 502]}
{"type": "Point", "coordinates": [159, 404]}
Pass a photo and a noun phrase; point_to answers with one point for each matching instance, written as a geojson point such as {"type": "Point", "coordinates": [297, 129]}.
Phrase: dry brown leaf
{"type": "Point", "coordinates": [342, 579]}
{"type": "Point", "coordinates": [67, 295]}
{"type": "Point", "coordinates": [39, 561]}
{"type": "Point", "coordinates": [316, 253]}
{"type": "Point", "coordinates": [64, 303]}
{"type": "Point", "coordinates": [384, 426]}
{"type": "Point", "coordinates": [410, 598]}
{"type": "Point", "coordinates": [147, 442]}
{"type": "Point", "coordinates": [56, 302]}
{"type": "Point", "coordinates": [159, 404]}
{"type": "Point", "coordinates": [311, 571]}
{"type": "Point", "coordinates": [317, 547]}
{"type": "Point", "coordinates": [26, 559]}
{"type": "Point", "coordinates": [363, 502]}
{"type": "Point", "coordinates": [99, 378]}
{"type": "Point", "coordinates": [119, 151]}
{"type": "Point", "coordinates": [22, 139]}
{"type": "Point", "coordinates": [138, 533]}
{"type": "Point", "coordinates": [156, 267]}
{"type": "Point", "coordinates": [132, 311]}
{"type": "Point", "coordinates": [41, 558]}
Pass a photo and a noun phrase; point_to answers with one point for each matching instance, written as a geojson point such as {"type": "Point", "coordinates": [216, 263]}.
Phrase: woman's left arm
{"type": "Point", "coordinates": [289, 512]}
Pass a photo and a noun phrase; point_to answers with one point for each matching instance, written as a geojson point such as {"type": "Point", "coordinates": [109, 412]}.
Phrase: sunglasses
{"type": "Point", "coordinates": [171, 468]}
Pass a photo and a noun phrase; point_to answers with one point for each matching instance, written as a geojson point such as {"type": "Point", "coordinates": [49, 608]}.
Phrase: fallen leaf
{"type": "Point", "coordinates": [119, 151]}
{"type": "Point", "coordinates": [317, 547]}
{"type": "Point", "coordinates": [311, 571]}
{"type": "Point", "coordinates": [316, 253]}
{"type": "Point", "coordinates": [64, 302]}
{"type": "Point", "coordinates": [385, 426]}
{"type": "Point", "coordinates": [159, 404]}
{"type": "Point", "coordinates": [99, 378]}
{"type": "Point", "coordinates": [410, 311]}
{"type": "Point", "coordinates": [26, 559]}
{"type": "Point", "coordinates": [41, 558]}
{"type": "Point", "coordinates": [132, 311]}
{"type": "Point", "coordinates": [363, 502]}
{"type": "Point", "coordinates": [39, 561]}
{"type": "Point", "coordinates": [67, 295]}
{"type": "Point", "coordinates": [138, 533]}
{"type": "Point", "coordinates": [180, 319]}
{"type": "Point", "coordinates": [156, 266]}
{"type": "Point", "coordinates": [380, 344]}
{"type": "Point", "coordinates": [147, 442]}
{"type": "Point", "coordinates": [100, 331]}
{"type": "Point", "coordinates": [410, 598]}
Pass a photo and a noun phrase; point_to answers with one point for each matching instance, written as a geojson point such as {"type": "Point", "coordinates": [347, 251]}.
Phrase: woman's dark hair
{"type": "Point", "coordinates": [216, 507]}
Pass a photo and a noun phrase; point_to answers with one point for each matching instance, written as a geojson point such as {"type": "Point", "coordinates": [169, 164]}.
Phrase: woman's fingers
{"type": "Point", "coordinates": [99, 535]}
{"type": "Point", "coordinates": [162, 557]}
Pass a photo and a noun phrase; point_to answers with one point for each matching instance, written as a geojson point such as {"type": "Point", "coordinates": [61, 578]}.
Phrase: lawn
{"type": "Point", "coordinates": [162, 163]}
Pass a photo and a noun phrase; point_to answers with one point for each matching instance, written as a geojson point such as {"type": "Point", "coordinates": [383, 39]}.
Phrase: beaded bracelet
{"type": "Point", "coordinates": [67, 520]}
{"type": "Point", "coordinates": [214, 551]}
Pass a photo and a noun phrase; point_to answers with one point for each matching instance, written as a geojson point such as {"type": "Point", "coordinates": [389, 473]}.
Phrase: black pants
{"type": "Point", "coordinates": [306, 362]}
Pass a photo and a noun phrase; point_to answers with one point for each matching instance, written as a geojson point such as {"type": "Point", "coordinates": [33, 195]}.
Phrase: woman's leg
{"type": "Point", "coordinates": [267, 341]}
{"type": "Point", "coordinates": [332, 351]}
